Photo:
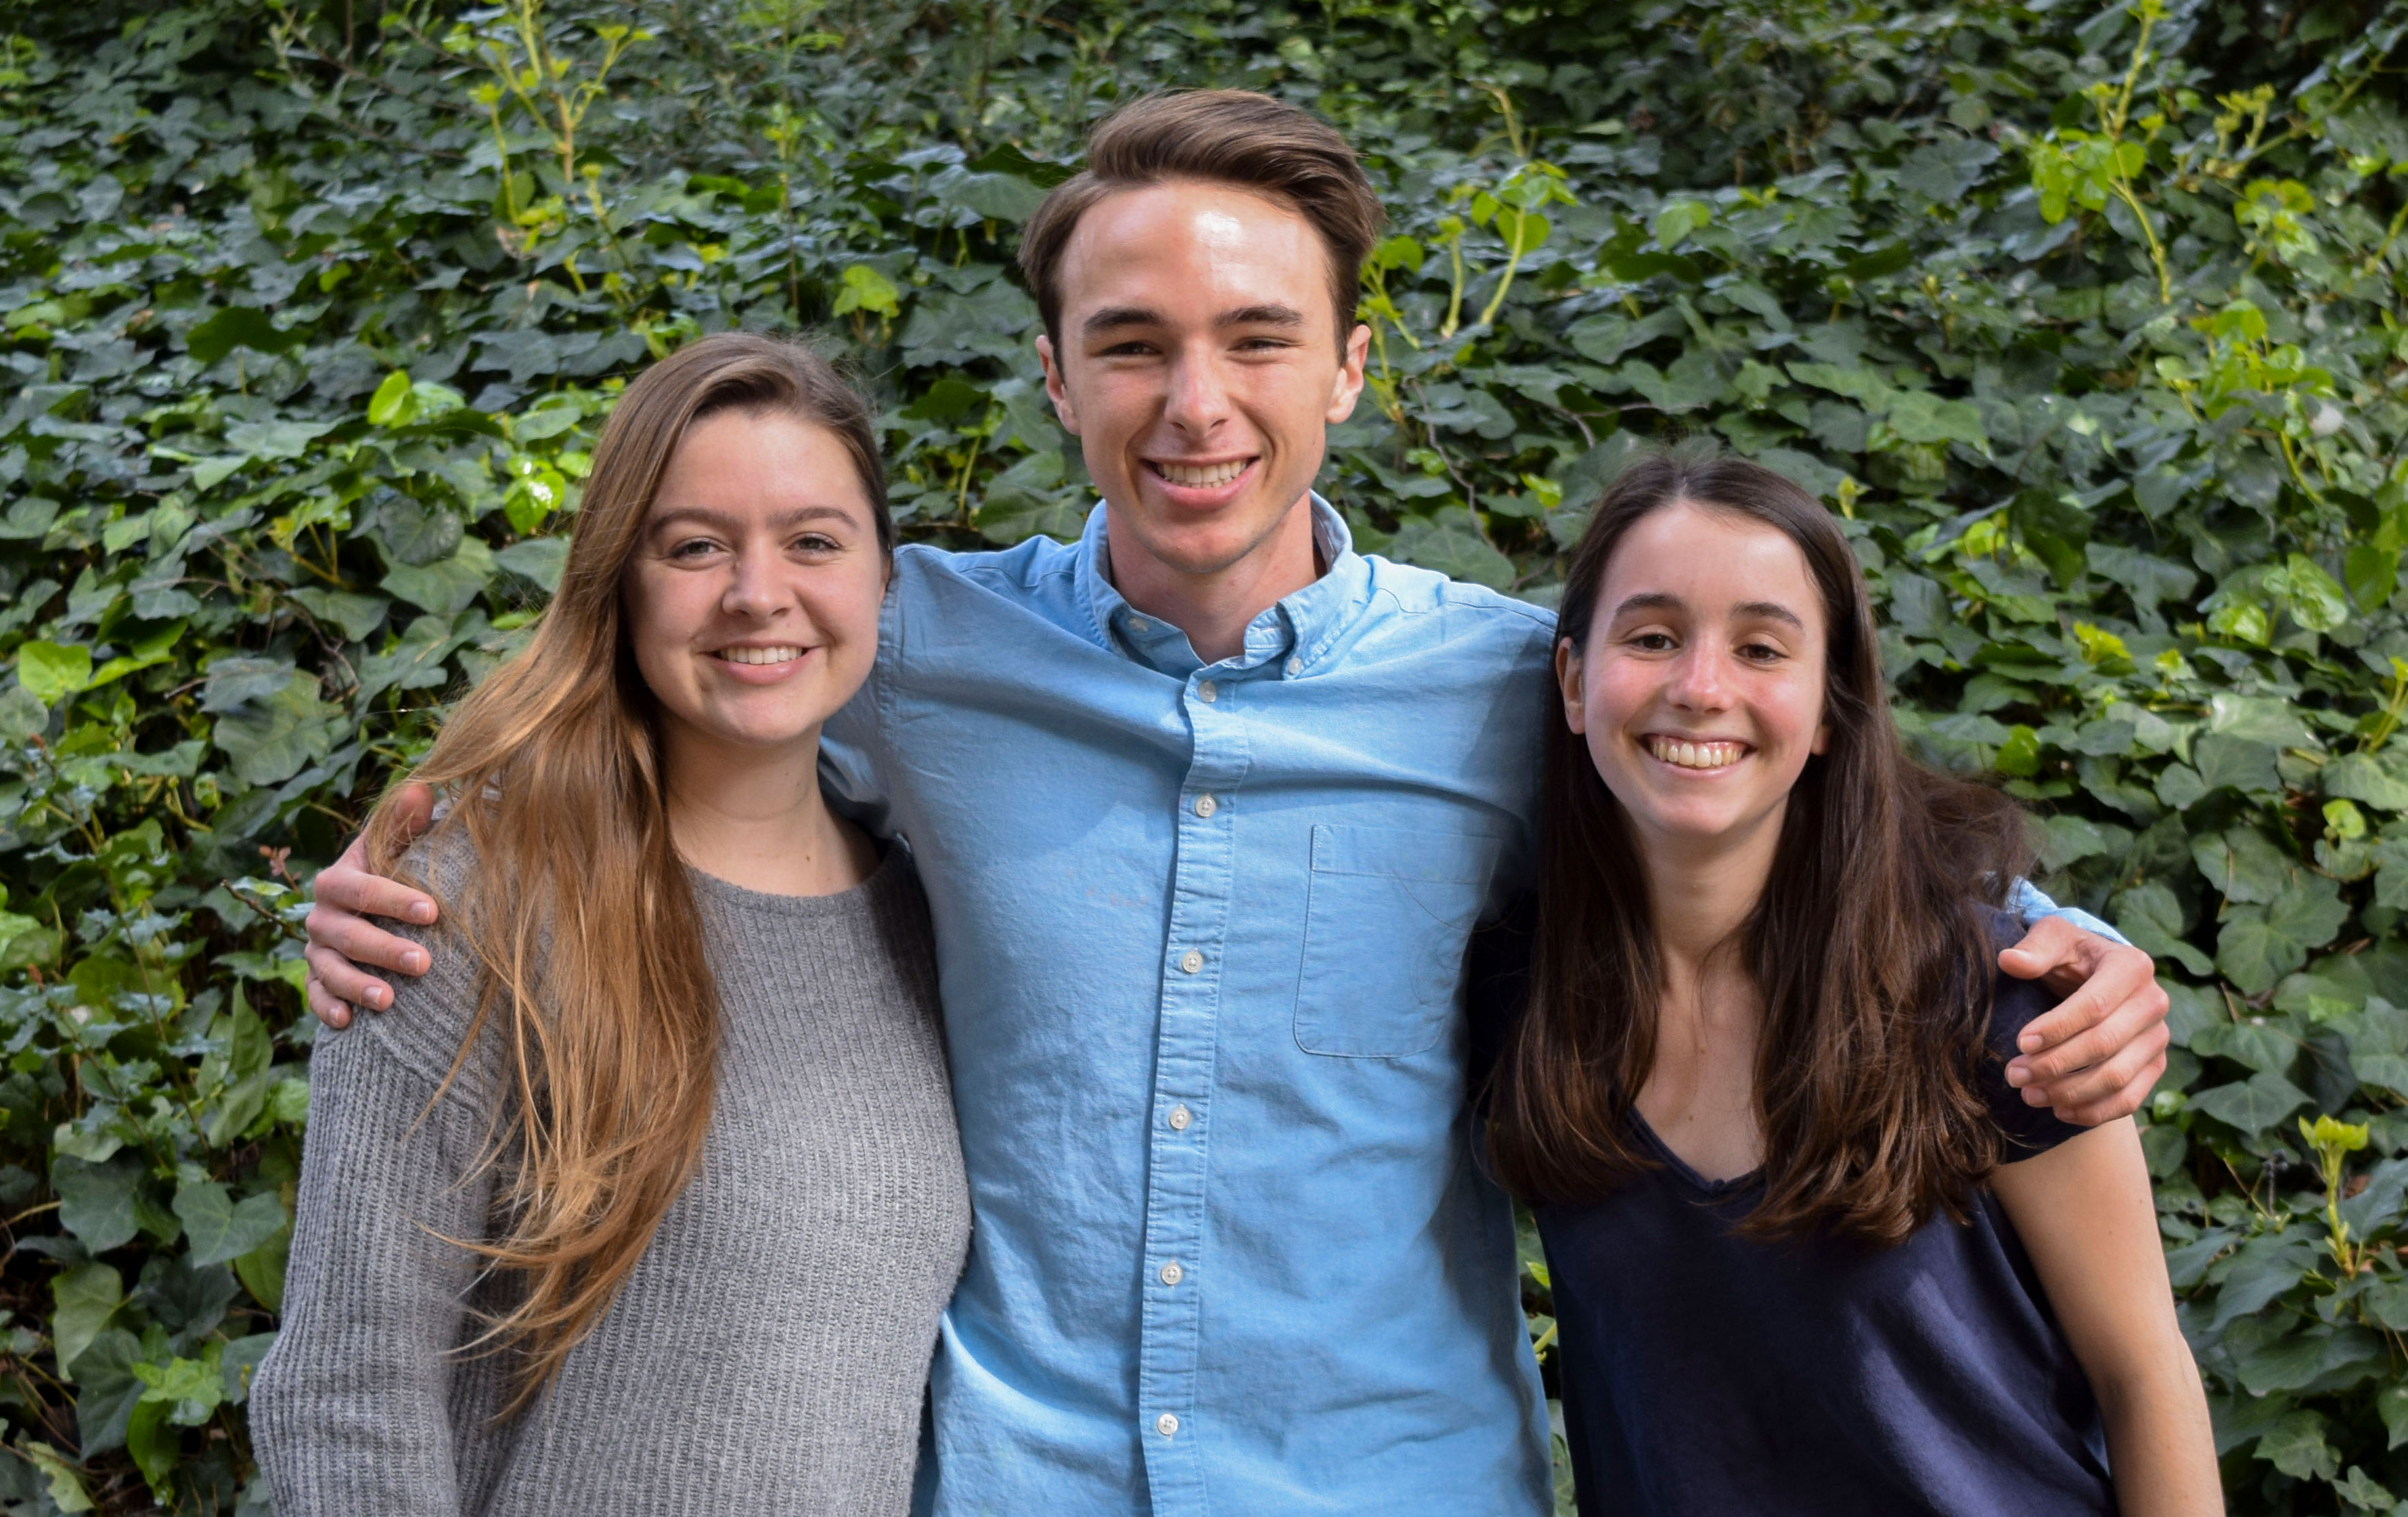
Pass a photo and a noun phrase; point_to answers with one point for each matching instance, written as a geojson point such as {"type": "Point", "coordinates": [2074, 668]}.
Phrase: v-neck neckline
{"type": "Point", "coordinates": [1683, 1170]}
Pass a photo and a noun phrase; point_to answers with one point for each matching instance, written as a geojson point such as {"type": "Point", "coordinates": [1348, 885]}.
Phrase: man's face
{"type": "Point", "coordinates": [1199, 367]}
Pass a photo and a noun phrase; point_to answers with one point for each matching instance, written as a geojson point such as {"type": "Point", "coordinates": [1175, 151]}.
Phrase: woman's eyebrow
{"type": "Point", "coordinates": [1649, 600]}
{"type": "Point", "coordinates": [1661, 600]}
{"type": "Point", "coordinates": [1772, 611]}
{"type": "Point", "coordinates": [703, 515]}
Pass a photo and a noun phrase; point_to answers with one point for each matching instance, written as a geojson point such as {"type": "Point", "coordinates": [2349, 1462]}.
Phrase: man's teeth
{"type": "Point", "coordinates": [1201, 477]}
{"type": "Point", "coordinates": [759, 655]}
{"type": "Point", "coordinates": [1696, 755]}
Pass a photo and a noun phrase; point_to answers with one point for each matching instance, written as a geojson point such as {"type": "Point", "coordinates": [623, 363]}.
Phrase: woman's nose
{"type": "Point", "coordinates": [1698, 681]}
{"type": "Point", "coordinates": [751, 587]}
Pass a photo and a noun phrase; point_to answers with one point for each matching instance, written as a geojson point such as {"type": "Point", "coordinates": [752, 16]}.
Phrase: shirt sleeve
{"type": "Point", "coordinates": [351, 1412]}
{"type": "Point", "coordinates": [2015, 1004]}
{"type": "Point", "coordinates": [2030, 905]}
{"type": "Point", "coordinates": [853, 742]}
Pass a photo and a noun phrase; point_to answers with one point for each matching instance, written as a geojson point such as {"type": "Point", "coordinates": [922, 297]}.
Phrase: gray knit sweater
{"type": "Point", "coordinates": [768, 1352]}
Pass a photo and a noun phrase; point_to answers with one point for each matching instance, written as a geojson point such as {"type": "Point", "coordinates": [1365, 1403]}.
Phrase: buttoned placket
{"type": "Point", "coordinates": [1186, 1041]}
{"type": "Point", "coordinates": [1176, 1269]}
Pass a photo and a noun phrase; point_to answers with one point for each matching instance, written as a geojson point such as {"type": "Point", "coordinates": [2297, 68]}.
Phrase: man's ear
{"type": "Point", "coordinates": [1348, 386]}
{"type": "Point", "coordinates": [1568, 682]}
{"type": "Point", "coordinates": [1066, 410]}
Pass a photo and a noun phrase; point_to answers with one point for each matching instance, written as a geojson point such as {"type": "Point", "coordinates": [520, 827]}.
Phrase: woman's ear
{"type": "Point", "coordinates": [1568, 681]}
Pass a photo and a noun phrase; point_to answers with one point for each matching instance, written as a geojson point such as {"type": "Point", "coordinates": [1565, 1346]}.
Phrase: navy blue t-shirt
{"type": "Point", "coordinates": [1707, 1373]}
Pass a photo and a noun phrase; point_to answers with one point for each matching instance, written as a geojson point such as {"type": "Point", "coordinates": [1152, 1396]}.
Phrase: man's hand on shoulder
{"type": "Point", "coordinates": [2095, 1056]}
{"type": "Point", "coordinates": [344, 944]}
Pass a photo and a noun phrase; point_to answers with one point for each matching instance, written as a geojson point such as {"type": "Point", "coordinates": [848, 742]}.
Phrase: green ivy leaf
{"type": "Point", "coordinates": [96, 1201]}
{"type": "Point", "coordinates": [86, 1297]}
{"type": "Point", "coordinates": [272, 740]}
{"type": "Point", "coordinates": [221, 1228]}
{"type": "Point", "coordinates": [393, 403]}
{"type": "Point", "coordinates": [2260, 1102]}
{"type": "Point", "coordinates": [50, 671]}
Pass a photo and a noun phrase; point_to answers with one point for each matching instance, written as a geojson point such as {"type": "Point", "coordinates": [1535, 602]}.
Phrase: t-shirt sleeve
{"type": "Point", "coordinates": [1497, 984]}
{"type": "Point", "coordinates": [2013, 1004]}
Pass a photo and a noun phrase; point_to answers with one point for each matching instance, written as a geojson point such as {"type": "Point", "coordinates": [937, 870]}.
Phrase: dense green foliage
{"type": "Point", "coordinates": [2087, 321]}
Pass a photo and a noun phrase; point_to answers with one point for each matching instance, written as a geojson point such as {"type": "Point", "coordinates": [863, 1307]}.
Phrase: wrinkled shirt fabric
{"type": "Point", "coordinates": [1200, 936]}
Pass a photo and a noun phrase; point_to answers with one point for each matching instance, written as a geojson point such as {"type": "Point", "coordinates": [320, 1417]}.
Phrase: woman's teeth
{"type": "Point", "coordinates": [1199, 477]}
{"type": "Point", "coordinates": [1696, 755]}
{"type": "Point", "coordinates": [758, 655]}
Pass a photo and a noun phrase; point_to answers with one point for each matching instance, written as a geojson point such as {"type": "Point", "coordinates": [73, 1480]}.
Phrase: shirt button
{"type": "Point", "coordinates": [1206, 806]}
{"type": "Point", "coordinates": [1180, 1118]}
{"type": "Point", "coordinates": [1191, 961]}
{"type": "Point", "coordinates": [1165, 1425]}
{"type": "Point", "coordinates": [1172, 1274]}
{"type": "Point", "coordinates": [1207, 692]}
{"type": "Point", "coordinates": [1138, 623]}
{"type": "Point", "coordinates": [1294, 668]}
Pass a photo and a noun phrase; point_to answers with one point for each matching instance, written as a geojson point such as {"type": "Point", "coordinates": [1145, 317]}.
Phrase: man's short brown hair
{"type": "Point", "coordinates": [1221, 137]}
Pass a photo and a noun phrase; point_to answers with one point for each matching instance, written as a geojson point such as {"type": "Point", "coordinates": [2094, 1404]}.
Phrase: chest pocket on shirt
{"type": "Point", "coordinates": [1387, 915]}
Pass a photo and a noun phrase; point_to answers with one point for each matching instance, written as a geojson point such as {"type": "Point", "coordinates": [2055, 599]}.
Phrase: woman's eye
{"type": "Point", "coordinates": [693, 547]}
{"type": "Point", "coordinates": [1760, 652]}
{"type": "Point", "coordinates": [1652, 642]}
{"type": "Point", "coordinates": [814, 543]}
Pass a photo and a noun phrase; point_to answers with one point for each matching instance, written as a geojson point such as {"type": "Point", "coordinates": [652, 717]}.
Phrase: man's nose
{"type": "Point", "coordinates": [1200, 396]}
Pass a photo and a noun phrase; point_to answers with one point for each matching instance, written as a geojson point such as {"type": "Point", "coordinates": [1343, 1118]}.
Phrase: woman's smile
{"type": "Point", "coordinates": [1698, 755]}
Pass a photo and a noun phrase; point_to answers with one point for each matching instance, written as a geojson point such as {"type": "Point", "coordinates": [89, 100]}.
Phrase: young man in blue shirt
{"type": "Point", "coordinates": [1207, 807]}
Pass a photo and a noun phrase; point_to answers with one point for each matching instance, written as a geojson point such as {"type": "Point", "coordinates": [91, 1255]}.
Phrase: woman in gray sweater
{"type": "Point", "coordinates": [648, 1198]}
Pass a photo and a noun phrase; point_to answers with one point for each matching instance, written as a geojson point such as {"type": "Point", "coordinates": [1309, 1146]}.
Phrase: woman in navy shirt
{"type": "Point", "coordinates": [1809, 1253]}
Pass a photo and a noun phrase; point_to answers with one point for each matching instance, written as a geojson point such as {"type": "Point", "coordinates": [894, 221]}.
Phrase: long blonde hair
{"type": "Point", "coordinates": [578, 912]}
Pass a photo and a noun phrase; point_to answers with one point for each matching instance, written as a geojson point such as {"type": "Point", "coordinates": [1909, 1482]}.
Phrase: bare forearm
{"type": "Point", "coordinates": [2159, 1443]}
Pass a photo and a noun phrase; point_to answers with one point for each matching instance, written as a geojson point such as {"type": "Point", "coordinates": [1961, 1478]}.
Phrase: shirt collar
{"type": "Point", "coordinates": [1286, 639]}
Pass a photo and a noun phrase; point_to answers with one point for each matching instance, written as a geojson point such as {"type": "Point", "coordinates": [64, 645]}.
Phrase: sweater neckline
{"type": "Point", "coordinates": [877, 883]}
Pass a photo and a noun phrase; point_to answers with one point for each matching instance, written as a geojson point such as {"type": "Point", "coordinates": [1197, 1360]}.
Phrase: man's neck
{"type": "Point", "coordinates": [1215, 608]}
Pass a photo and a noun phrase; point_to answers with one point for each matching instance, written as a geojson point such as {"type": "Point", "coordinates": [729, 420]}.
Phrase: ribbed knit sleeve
{"type": "Point", "coordinates": [354, 1411]}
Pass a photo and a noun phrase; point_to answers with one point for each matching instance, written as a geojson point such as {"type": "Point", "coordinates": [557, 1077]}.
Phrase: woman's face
{"type": "Point", "coordinates": [1701, 689]}
{"type": "Point", "coordinates": [752, 599]}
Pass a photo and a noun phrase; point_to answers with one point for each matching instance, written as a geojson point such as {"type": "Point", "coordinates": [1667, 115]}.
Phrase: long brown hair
{"type": "Point", "coordinates": [577, 911]}
{"type": "Point", "coordinates": [1869, 947]}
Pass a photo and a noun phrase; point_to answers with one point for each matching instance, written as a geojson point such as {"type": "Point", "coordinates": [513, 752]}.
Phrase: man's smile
{"type": "Point", "coordinates": [1199, 473]}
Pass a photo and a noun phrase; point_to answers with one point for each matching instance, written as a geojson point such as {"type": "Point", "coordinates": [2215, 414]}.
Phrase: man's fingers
{"type": "Point", "coordinates": [2047, 944]}
{"type": "Point", "coordinates": [340, 980]}
{"type": "Point", "coordinates": [355, 938]}
{"type": "Point", "coordinates": [2122, 1103]}
{"type": "Point", "coordinates": [2121, 992]}
{"type": "Point", "coordinates": [2126, 1073]}
{"type": "Point", "coordinates": [322, 1005]}
{"type": "Point", "coordinates": [352, 889]}
{"type": "Point", "coordinates": [414, 805]}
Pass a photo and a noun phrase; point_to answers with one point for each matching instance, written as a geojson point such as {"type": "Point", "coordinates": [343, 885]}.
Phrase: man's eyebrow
{"type": "Point", "coordinates": [1658, 600]}
{"type": "Point", "coordinates": [1113, 318]}
{"type": "Point", "coordinates": [1271, 315]}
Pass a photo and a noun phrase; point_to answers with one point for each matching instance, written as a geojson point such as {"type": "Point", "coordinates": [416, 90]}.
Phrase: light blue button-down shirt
{"type": "Point", "coordinates": [1201, 933]}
